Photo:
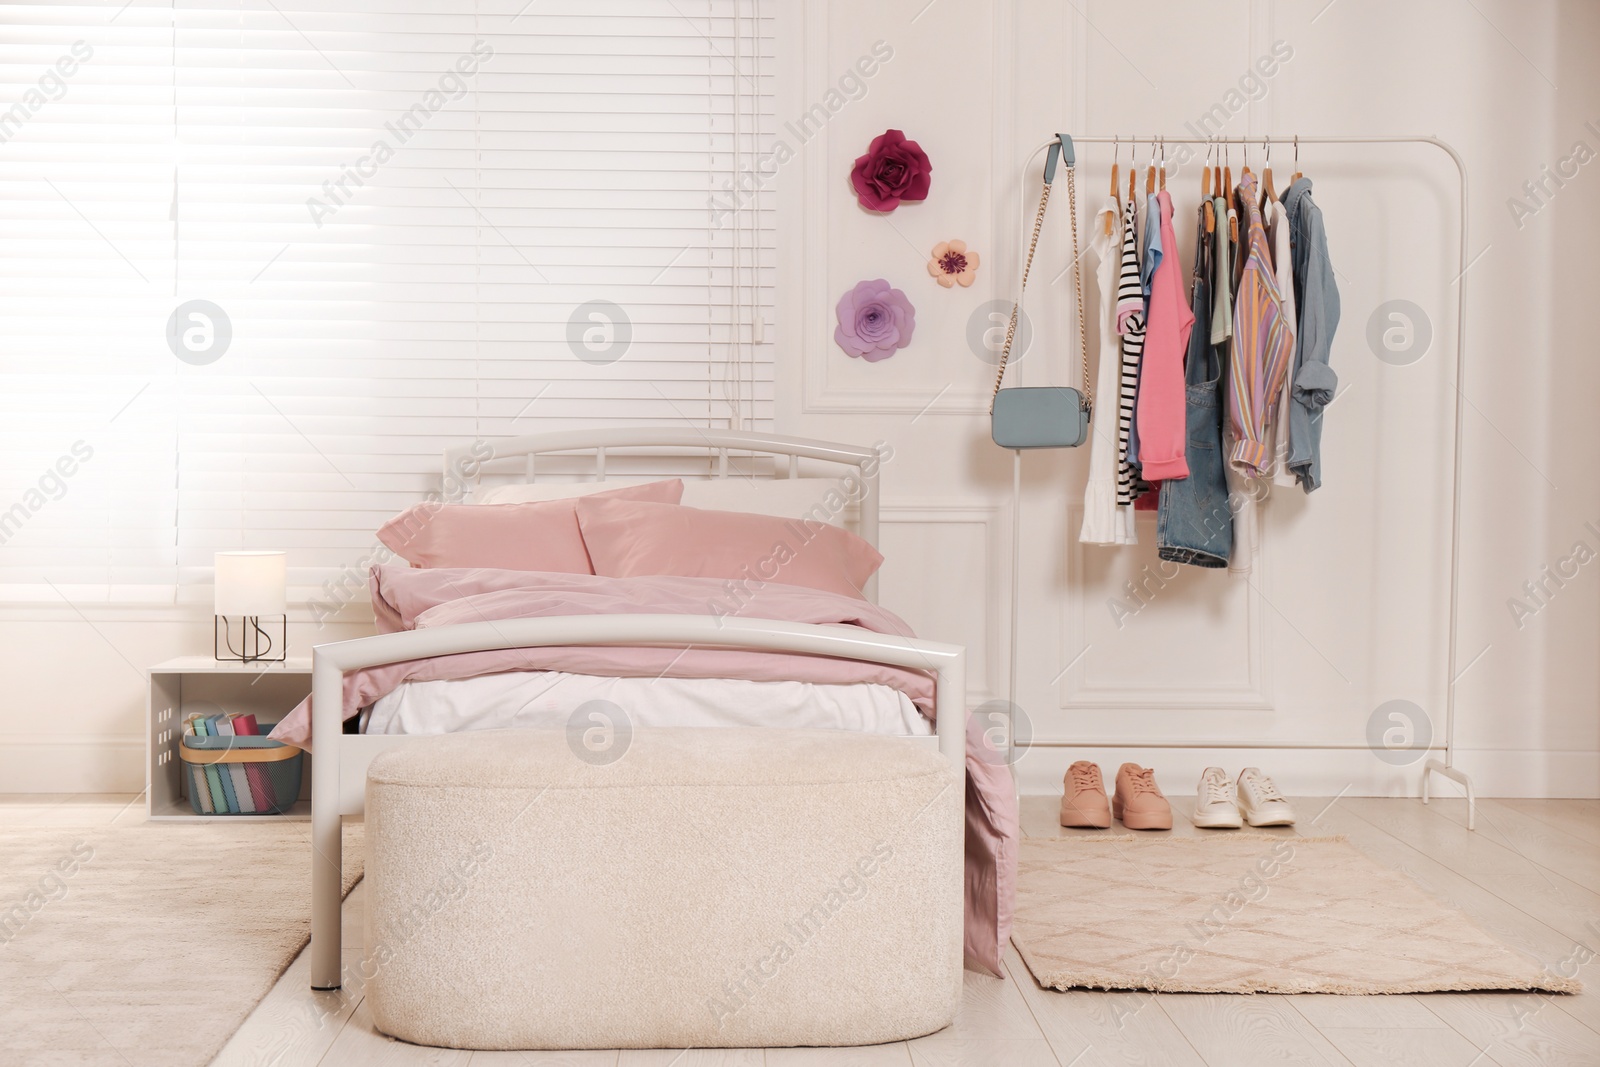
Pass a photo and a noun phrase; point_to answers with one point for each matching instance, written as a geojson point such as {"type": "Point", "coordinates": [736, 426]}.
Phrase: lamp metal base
{"type": "Point", "coordinates": [256, 644]}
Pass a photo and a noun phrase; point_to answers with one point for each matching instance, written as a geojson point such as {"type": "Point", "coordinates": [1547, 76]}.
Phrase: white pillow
{"type": "Point", "coordinates": [821, 499]}
{"type": "Point", "coordinates": [527, 494]}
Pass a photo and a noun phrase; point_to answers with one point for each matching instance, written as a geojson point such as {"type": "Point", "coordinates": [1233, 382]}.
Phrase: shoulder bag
{"type": "Point", "coordinates": [1045, 416]}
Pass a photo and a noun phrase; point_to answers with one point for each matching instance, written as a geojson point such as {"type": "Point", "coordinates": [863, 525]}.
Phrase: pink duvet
{"type": "Point", "coordinates": [404, 598]}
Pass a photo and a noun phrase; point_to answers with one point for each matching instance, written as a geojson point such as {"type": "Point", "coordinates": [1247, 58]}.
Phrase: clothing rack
{"type": "Point", "coordinates": [1433, 766]}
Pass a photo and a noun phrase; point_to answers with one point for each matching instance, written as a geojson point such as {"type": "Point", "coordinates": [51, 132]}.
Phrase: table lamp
{"type": "Point", "coordinates": [250, 586]}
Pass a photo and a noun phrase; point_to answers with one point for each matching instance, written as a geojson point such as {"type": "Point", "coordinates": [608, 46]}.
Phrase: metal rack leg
{"type": "Point", "coordinates": [1016, 571]}
{"type": "Point", "coordinates": [1433, 767]}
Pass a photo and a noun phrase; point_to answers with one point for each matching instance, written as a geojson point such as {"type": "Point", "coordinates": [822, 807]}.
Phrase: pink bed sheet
{"type": "Point", "coordinates": [404, 598]}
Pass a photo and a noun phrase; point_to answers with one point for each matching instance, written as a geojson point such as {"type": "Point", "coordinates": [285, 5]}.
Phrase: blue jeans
{"type": "Point", "coordinates": [1195, 524]}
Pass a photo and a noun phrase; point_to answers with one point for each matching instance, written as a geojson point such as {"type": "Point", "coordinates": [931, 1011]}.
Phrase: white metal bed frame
{"type": "Point", "coordinates": [338, 773]}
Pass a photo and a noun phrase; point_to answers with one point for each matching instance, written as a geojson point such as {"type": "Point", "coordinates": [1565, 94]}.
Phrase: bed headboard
{"type": "Point", "coordinates": [465, 465]}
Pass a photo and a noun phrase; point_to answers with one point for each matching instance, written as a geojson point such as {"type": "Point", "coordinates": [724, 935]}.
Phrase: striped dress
{"type": "Point", "coordinates": [1130, 324]}
{"type": "Point", "coordinates": [1263, 345]}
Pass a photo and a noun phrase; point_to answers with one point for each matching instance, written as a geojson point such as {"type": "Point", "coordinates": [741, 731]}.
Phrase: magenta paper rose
{"type": "Point", "coordinates": [874, 321]}
{"type": "Point", "coordinates": [894, 169]}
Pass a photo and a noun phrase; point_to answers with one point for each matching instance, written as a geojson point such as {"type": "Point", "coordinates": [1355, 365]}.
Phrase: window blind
{"type": "Point", "coordinates": [263, 261]}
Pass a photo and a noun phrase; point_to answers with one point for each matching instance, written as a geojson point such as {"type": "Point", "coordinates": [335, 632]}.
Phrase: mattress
{"type": "Point", "coordinates": [548, 699]}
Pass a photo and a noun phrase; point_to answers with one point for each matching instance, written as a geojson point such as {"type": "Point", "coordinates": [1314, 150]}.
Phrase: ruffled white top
{"type": "Point", "coordinates": [1104, 521]}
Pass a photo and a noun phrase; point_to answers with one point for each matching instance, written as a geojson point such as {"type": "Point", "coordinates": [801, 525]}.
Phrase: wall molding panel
{"type": "Point", "coordinates": [1086, 615]}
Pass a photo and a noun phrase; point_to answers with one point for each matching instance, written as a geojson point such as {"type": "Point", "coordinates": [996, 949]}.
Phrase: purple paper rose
{"type": "Point", "coordinates": [874, 321]}
{"type": "Point", "coordinates": [894, 169]}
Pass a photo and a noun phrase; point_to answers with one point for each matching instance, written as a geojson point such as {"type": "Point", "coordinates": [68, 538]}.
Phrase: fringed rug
{"type": "Point", "coordinates": [147, 944]}
{"type": "Point", "coordinates": [1247, 913]}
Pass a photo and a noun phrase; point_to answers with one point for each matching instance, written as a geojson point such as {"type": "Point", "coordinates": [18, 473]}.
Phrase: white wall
{"type": "Point", "coordinates": [1347, 603]}
{"type": "Point", "coordinates": [1346, 606]}
{"type": "Point", "coordinates": [72, 718]}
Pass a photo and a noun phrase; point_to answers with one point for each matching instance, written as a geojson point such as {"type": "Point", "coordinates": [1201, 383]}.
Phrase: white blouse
{"type": "Point", "coordinates": [1105, 522]}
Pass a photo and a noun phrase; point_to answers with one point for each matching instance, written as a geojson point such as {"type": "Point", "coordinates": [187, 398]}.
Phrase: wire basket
{"type": "Point", "coordinates": [240, 775]}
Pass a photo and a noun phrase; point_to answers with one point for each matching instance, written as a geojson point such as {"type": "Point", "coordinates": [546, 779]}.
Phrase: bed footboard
{"type": "Point", "coordinates": [330, 662]}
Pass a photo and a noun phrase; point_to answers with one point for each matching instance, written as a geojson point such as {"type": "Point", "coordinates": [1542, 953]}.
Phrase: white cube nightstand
{"type": "Point", "coordinates": [202, 685]}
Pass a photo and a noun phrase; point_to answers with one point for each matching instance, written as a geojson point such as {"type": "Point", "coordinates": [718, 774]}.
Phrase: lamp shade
{"type": "Point", "coordinates": [251, 583]}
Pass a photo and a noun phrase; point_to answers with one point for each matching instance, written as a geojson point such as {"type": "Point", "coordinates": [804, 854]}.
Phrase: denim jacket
{"type": "Point", "coordinates": [1317, 305]}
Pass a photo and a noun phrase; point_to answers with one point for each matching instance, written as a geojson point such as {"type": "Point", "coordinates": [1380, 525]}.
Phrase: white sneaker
{"type": "Point", "coordinates": [1261, 802]}
{"type": "Point", "coordinates": [1214, 808]}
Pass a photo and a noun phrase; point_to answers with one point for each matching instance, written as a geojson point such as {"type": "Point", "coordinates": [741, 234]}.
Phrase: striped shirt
{"type": "Point", "coordinates": [1263, 344]}
{"type": "Point", "coordinates": [1130, 324]}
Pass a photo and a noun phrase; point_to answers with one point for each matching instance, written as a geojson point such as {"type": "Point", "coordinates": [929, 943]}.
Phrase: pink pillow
{"type": "Point", "coordinates": [541, 536]}
{"type": "Point", "coordinates": [628, 538]}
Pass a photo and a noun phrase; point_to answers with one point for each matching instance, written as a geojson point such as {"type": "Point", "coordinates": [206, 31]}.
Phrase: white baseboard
{"type": "Point", "coordinates": [1532, 773]}
{"type": "Point", "coordinates": [71, 763]}
{"type": "Point", "coordinates": [1353, 772]}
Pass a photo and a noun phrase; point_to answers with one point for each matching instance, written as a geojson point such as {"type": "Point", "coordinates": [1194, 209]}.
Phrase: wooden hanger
{"type": "Point", "coordinates": [1227, 171]}
{"type": "Point", "coordinates": [1233, 216]}
{"type": "Point", "coordinates": [1163, 164]}
{"type": "Point", "coordinates": [1133, 169]}
{"type": "Point", "coordinates": [1267, 193]}
{"type": "Point", "coordinates": [1297, 174]}
{"type": "Point", "coordinates": [1150, 172]}
{"type": "Point", "coordinates": [1206, 208]}
{"type": "Point", "coordinates": [1116, 147]}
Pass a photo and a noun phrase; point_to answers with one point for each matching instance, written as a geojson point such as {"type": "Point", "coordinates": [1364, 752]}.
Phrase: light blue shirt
{"type": "Point", "coordinates": [1316, 303]}
{"type": "Point", "coordinates": [1152, 247]}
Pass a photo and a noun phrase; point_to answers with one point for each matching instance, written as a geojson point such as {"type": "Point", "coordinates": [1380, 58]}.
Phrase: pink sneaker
{"type": "Point", "coordinates": [1138, 801]}
{"type": "Point", "coordinates": [1083, 804]}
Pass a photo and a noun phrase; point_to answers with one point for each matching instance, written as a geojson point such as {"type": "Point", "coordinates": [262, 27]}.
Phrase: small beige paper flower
{"type": "Point", "coordinates": [952, 263]}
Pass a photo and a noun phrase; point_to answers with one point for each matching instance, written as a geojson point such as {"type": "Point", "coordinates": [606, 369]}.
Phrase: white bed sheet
{"type": "Point", "coordinates": [547, 699]}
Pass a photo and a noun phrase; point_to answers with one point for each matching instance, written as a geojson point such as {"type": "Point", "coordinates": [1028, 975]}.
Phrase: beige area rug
{"type": "Point", "coordinates": [147, 944]}
{"type": "Point", "coordinates": [1246, 913]}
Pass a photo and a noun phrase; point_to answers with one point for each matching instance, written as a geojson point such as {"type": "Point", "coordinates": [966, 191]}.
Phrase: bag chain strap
{"type": "Point", "coordinates": [1077, 277]}
{"type": "Point", "coordinates": [1011, 327]}
{"type": "Point", "coordinates": [1077, 280]}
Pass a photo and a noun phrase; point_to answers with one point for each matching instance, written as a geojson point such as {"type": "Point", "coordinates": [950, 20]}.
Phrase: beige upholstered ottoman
{"type": "Point", "coordinates": [709, 887]}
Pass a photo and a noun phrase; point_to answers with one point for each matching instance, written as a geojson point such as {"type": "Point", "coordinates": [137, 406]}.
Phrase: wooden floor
{"type": "Point", "coordinates": [1530, 874]}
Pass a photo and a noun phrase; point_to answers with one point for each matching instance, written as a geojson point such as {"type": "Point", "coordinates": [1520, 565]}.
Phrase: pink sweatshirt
{"type": "Point", "coordinates": [1163, 425]}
